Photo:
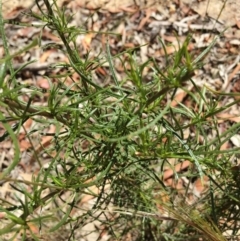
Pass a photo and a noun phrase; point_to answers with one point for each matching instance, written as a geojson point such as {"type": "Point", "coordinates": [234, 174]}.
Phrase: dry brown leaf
{"type": "Point", "coordinates": [43, 83]}
{"type": "Point", "coordinates": [46, 55]}
{"type": "Point", "coordinates": [86, 41]}
{"type": "Point", "coordinates": [224, 146]}
{"type": "Point", "coordinates": [173, 48]}
{"type": "Point", "coordinates": [178, 98]}
{"type": "Point", "coordinates": [12, 8]}
{"type": "Point", "coordinates": [236, 89]}
{"type": "Point", "coordinates": [212, 8]}
{"type": "Point", "coordinates": [101, 71]}
{"type": "Point", "coordinates": [51, 36]}
{"type": "Point", "coordinates": [145, 20]}
{"type": "Point", "coordinates": [200, 185]}
{"type": "Point", "coordinates": [28, 124]}
{"type": "Point", "coordinates": [234, 72]}
{"type": "Point", "coordinates": [87, 197]}
{"type": "Point", "coordinates": [226, 116]}
{"type": "Point", "coordinates": [179, 167]}
{"type": "Point", "coordinates": [24, 145]}
{"type": "Point", "coordinates": [46, 141]}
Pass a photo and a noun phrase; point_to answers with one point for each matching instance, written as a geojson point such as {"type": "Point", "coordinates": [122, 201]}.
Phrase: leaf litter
{"type": "Point", "coordinates": [137, 25]}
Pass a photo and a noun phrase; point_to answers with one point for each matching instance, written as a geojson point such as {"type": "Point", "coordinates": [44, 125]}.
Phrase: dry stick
{"type": "Point", "coordinates": [33, 67]}
{"type": "Point", "coordinates": [142, 214]}
{"type": "Point", "coordinates": [231, 76]}
{"type": "Point", "coordinates": [32, 110]}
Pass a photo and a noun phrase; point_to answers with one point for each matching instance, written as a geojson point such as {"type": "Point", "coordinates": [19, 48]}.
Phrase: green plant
{"type": "Point", "coordinates": [109, 143]}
